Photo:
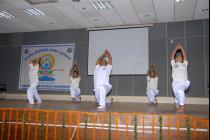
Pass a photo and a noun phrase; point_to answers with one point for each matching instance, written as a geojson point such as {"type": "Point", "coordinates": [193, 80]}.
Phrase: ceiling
{"type": "Point", "coordinates": [66, 14]}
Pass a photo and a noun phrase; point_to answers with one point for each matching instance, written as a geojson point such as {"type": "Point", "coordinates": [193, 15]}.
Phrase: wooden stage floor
{"type": "Point", "coordinates": [194, 110]}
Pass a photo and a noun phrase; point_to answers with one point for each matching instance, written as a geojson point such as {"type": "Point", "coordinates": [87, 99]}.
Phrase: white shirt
{"type": "Point", "coordinates": [179, 70]}
{"type": "Point", "coordinates": [74, 82]}
{"type": "Point", "coordinates": [152, 83]}
{"type": "Point", "coordinates": [101, 75]}
{"type": "Point", "coordinates": [33, 73]}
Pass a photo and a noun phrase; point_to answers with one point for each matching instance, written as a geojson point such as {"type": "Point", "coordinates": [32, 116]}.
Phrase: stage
{"type": "Point", "coordinates": [121, 121]}
{"type": "Point", "coordinates": [194, 110]}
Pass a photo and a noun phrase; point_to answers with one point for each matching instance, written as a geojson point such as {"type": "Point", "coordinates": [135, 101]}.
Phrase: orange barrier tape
{"type": "Point", "coordinates": [169, 135]}
{"type": "Point", "coordinates": [76, 112]}
{"type": "Point", "coordinates": [9, 127]}
{"type": "Point", "coordinates": [55, 122]}
{"type": "Point", "coordinates": [177, 126]}
{"type": "Point", "coordinates": [23, 121]}
{"type": "Point", "coordinates": [70, 121]}
{"type": "Point", "coordinates": [78, 123]}
{"type": "Point", "coordinates": [194, 126]}
{"type": "Point", "coordinates": [127, 123]}
{"type": "Point", "coordinates": [117, 123]}
{"type": "Point", "coordinates": [143, 127]}
{"type": "Point", "coordinates": [47, 121]}
{"type": "Point", "coordinates": [26, 123]}
{"type": "Point", "coordinates": [3, 120]}
{"type": "Point", "coordinates": [153, 125]}
{"type": "Point", "coordinates": [29, 126]}
{"type": "Point", "coordinates": [94, 123]}
{"type": "Point", "coordinates": [102, 124]}
{"type": "Point", "coordinates": [36, 127]}
{"type": "Point", "coordinates": [16, 124]}
{"type": "Point", "coordinates": [207, 126]}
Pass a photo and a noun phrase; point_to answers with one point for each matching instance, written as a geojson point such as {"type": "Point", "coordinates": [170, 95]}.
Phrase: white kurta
{"type": "Point", "coordinates": [152, 88]}
{"type": "Point", "coordinates": [152, 83]}
{"type": "Point", "coordinates": [180, 81]}
{"type": "Point", "coordinates": [101, 75]}
{"type": "Point", "coordinates": [74, 87]}
{"type": "Point", "coordinates": [179, 70]}
{"type": "Point", "coordinates": [101, 83]}
{"type": "Point", "coordinates": [33, 73]}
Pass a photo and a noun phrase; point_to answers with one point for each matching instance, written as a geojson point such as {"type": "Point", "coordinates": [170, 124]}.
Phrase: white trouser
{"type": "Point", "coordinates": [179, 88]}
{"type": "Point", "coordinates": [75, 93]}
{"type": "Point", "coordinates": [32, 92]}
{"type": "Point", "coordinates": [151, 94]}
{"type": "Point", "coordinates": [101, 93]}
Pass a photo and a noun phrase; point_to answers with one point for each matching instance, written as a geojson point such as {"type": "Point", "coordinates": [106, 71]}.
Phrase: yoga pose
{"type": "Point", "coordinates": [74, 83]}
{"type": "Point", "coordinates": [34, 81]}
{"type": "Point", "coordinates": [102, 72]}
{"type": "Point", "coordinates": [180, 83]}
{"type": "Point", "coordinates": [152, 84]}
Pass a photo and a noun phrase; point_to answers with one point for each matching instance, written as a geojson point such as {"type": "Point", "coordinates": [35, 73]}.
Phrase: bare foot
{"type": "Point", "coordinates": [177, 109]}
{"type": "Point", "coordinates": [182, 109]}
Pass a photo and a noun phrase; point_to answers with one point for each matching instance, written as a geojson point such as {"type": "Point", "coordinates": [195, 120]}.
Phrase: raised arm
{"type": "Point", "coordinates": [148, 71]}
{"type": "Point", "coordinates": [183, 52]}
{"type": "Point", "coordinates": [72, 69]}
{"type": "Point", "coordinates": [109, 56]}
{"type": "Point", "coordinates": [98, 62]}
{"type": "Point", "coordinates": [76, 66]}
{"type": "Point", "coordinates": [152, 68]}
{"type": "Point", "coordinates": [39, 62]}
{"type": "Point", "coordinates": [101, 58]}
{"type": "Point", "coordinates": [174, 51]}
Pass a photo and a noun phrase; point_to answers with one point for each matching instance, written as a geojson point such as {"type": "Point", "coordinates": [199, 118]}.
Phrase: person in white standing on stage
{"type": "Point", "coordinates": [34, 81]}
{"type": "Point", "coordinates": [74, 83]}
{"type": "Point", "coordinates": [180, 83]}
{"type": "Point", "coordinates": [152, 84]}
{"type": "Point", "coordinates": [102, 87]}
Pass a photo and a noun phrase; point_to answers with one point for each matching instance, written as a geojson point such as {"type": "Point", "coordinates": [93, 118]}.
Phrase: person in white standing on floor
{"type": "Point", "coordinates": [74, 83]}
{"type": "Point", "coordinates": [180, 83]}
{"type": "Point", "coordinates": [34, 81]}
{"type": "Point", "coordinates": [152, 84]}
{"type": "Point", "coordinates": [102, 72]}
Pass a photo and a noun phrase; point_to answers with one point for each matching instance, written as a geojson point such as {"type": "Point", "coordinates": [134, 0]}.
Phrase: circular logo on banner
{"type": "Point", "coordinates": [26, 51]}
{"type": "Point", "coordinates": [47, 62]}
{"type": "Point", "coordinates": [69, 50]}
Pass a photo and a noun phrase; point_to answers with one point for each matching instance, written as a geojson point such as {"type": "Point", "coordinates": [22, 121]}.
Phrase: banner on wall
{"type": "Point", "coordinates": [56, 62]}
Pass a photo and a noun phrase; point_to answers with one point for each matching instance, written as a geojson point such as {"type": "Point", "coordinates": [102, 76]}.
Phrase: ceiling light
{"type": "Point", "coordinates": [102, 5]}
{"type": "Point", "coordinates": [76, 0]}
{"type": "Point", "coordinates": [34, 12]}
{"type": "Point", "coordinates": [179, 1]}
{"type": "Point", "coordinates": [6, 15]}
{"type": "Point", "coordinates": [41, 1]}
